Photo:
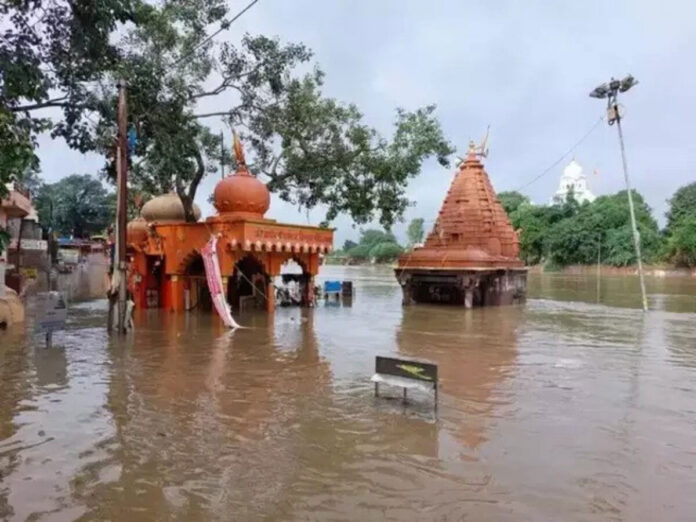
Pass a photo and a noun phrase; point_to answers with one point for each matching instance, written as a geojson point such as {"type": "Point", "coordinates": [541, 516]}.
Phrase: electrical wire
{"type": "Point", "coordinates": [565, 154]}
{"type": "Point", "coordinates": [223, 26]}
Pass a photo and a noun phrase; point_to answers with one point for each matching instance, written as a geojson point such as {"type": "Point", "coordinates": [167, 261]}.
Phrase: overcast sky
{"type": "Point", "coordinates": [524, 67]}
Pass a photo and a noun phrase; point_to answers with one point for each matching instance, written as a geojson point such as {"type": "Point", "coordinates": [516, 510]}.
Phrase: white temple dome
{"type": "Point", "coordinates": [573, 179]}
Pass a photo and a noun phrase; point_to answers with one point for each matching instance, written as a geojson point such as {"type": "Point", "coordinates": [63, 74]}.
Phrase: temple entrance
{"type": "Point", "coordinates": [196, 293]}
{"type": "Point", "coordinates": [247, 287]}
{"type": "Point", "coordinates": [436, 290]}
{"type": "Point", "coordinates": [154, 280]}
{"type": "Point", "coordinates": [294, 285]}
{"type": "Point", "coordinates": [474, 289]}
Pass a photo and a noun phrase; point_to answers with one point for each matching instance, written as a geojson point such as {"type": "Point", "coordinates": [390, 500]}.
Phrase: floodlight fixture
{"type": "Point", "coordinates": [600, 91]}
{"type": "Point", "coordinates": [628, 82]}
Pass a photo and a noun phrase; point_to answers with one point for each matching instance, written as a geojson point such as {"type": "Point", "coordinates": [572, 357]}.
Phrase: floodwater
{"type": "Point", "coordinates": [562, 409]}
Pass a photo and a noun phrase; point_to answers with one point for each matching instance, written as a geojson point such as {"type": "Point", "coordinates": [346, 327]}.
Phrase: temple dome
{"type": "Point", "coordinates": [136, 231]}
{"type": "Point", "coordinates": [167, 208]}
{"type": "Point", "coordinates": [241, 194]}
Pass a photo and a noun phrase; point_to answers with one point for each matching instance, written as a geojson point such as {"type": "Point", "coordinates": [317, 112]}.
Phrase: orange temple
{"type": "Point", "coordinates": [166, 268]}
{"type": "Point", "coordinates": [471, 256]}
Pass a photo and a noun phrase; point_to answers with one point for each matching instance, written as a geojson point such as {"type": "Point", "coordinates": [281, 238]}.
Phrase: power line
{"type": "Point", "coordinates": [223, 26]}
{"type": "Point", "coordinates": [571, 149]}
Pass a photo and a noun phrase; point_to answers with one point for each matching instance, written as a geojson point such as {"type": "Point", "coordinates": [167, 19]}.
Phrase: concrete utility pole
{"type": "Point", "coordinates": [121, 208]}
{"type": "Point", "coordinates": [610, 91]}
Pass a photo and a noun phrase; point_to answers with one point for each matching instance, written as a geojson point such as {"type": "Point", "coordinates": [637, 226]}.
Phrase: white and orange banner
{"type": "Point", "coordinates": [217, 292]}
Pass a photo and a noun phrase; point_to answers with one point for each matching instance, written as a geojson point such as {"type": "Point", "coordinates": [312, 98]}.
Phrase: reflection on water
{"type": "Point", "coordinates": [564, 408]}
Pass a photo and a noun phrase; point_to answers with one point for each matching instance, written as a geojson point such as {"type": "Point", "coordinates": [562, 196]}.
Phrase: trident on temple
{"type": "Point", "coordinates": [238, 151]}
{"type": "Point", "coordinates": [480, 150]}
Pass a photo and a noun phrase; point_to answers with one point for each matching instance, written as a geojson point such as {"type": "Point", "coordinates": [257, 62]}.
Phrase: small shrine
{"type": "Point", "coordinates": [166, 268]}
{"type": "Point", "coordinates": [470, 257]}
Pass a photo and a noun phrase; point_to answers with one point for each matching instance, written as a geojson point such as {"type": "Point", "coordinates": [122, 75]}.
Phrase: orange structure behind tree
{"type": "Point", "coordinates": [471, 256]}
{"type": "Point", "coordinates": [166, 268]}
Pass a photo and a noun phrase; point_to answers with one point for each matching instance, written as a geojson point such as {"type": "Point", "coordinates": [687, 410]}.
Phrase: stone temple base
{"type": "Point", "coordinates": [468, 288]}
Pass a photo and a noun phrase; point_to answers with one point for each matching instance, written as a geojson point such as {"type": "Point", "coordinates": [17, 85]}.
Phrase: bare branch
{"type": "Point", "coordinates": [56, 102]}
{"type": "Point", "coordinates": [211, 114]}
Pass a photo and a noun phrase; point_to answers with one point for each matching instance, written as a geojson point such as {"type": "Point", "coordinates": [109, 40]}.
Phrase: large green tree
{"type": "Point", "coordinates": [77, 205]}
{"type": "Point", "coordinates": [680, 232]}
{"type": "Point", "coordinates": [680, 246]}
{"type": "Point", "coordinates": [512, 200]}
{"type": "Point", "coordinates": [415, 231]}
{"type": "Point", "coordinates": [375, 244]}
{"type": "Point", "coordinates": [605, 221]}
{"type": "Point", "coordinates": [533, 224]}
{"type": "Point", "coordinates": [311, 149]}
{"type": "Point", "coordinates": [682, 205]}
{"type": "Point", "coordinates": [50, 53]}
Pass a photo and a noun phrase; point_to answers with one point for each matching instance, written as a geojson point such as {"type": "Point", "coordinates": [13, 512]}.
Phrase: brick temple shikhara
{"type": "Point", "coordinates": [471, 256]}
{"type": "Point", "coordinates": [166, 267]}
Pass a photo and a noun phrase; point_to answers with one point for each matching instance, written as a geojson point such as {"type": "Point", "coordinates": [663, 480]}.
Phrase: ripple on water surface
{"type": "Point", "coordinates": [559, 409]}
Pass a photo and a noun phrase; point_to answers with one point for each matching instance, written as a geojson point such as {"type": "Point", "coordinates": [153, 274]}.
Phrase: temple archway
{"type": "Point", "coordinates": [196, 292]}
{"type": "Point", "coordinates": [247, 287]}
{"type": "Point", "coordinates": [294, 285]}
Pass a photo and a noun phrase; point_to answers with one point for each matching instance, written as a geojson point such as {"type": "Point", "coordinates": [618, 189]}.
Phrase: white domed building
{"type": "Point", "coordinates": [573, 179]}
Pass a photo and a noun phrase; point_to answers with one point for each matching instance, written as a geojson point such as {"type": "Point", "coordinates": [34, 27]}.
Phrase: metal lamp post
{"type": "Point", "coordinates": [610, 91]}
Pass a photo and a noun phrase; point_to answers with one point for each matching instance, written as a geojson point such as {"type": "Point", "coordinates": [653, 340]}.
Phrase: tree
{"type": "Point", "coordinates": [575, 239]}
{"type": "Point", "coordinates": [49, 52]}
{"type": "Point", "coordinates": [681, 206]}
{"type": "Point", "coordinates": [77, 205]}
{"type": "Point", "coordinates": [512, 200]}
{"type": "Point", "coordinates": [312, 149]}
{"type": "Point", "coordinates": [681, 243]}
{"type": "Point", "coordinates": [385, 252]}
{"type": "Point", "coordinates": [533, 224]}
{"type": "Point", "coordinates": [372, 237]}
{"type": "Point", "coordinates": [378, 245]}
{"type": "Point", "coordinates": [348, 244]}
{"type": "Point", "coordinates": [415, 231]}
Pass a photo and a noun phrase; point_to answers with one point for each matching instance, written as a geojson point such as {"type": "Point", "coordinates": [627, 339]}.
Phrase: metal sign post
{"type": "Point", "coordinates": [52, 313]}
{"type": "Point", "coordinates": [405, 373]}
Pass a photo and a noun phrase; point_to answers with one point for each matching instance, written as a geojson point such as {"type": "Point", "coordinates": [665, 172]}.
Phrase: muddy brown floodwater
{"type": "Point", "coordinates": [562, 409]}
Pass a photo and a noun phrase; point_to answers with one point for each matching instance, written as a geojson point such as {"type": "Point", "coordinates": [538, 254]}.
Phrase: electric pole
{"type": "Point", "coordinates": [121, 209]}
{"type": "Point", "coordinates": [610, 91]}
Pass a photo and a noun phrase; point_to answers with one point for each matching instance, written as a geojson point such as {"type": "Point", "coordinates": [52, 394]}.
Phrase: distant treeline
{"type": "Point", "coordinates": [570, 233]}
{"type": "Point", "coordinates": [575, 234]}
{"type": "Point", "coordinates": [377, 246]}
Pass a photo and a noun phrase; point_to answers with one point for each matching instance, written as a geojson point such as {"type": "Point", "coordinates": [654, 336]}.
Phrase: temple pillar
{"type": "Point", "coordinates": [468, 297]}
{"type": "Point", "coordinates": [176, 293]}
{"type": "Point", "coordinates": [308, 297]}
{"type": "Point", "coordinates": [407, 290]}
{"type": "Point", "coordinates": [270, 297]}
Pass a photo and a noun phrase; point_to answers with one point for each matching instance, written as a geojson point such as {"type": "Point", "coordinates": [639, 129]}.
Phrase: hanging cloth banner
{"type": "Point", "coordinates": [212, 273]}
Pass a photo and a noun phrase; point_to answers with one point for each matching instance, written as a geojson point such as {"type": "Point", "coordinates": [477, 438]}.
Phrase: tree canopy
{"type": "Point", "coordinates": [310, 148]}
{"type": "Point", "coordinates": [680, 232]}
{"type": "Point", "coordinates": [415, 231]}
{"type": "Point", "coordinates": [682, 205]}
{"type": "Point", "coordinates": [374, 245]}
{"type": "Point", "coordinates": [570, 233]}
{"type": "Point", "coordinates": [512, 200]}
{"type": "Point", "coordinates": [77, 205]}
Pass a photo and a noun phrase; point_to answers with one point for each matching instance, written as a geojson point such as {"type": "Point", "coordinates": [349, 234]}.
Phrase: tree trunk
{"type": "Point", "coordinates": [187, 197]}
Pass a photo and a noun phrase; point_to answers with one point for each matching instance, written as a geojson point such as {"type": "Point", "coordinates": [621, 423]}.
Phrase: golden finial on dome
{"type": "Point", "coordinates": [238, 151]}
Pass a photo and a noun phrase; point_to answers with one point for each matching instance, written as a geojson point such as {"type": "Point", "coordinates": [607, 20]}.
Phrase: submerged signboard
{"type": "Point", "coordinates": [52, 311]}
